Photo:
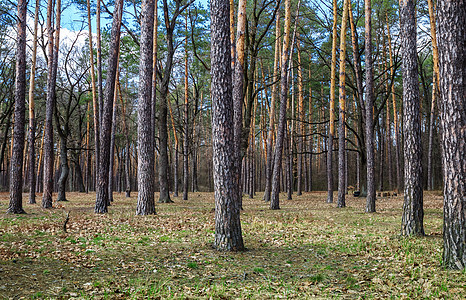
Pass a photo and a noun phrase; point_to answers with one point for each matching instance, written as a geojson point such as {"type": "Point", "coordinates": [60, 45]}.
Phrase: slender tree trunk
{"type": "Point", "coordinates": [146, 203]}
{"type": "Point", "coordinates": [64, 168]}
{"type": "Point", "coordinates": [16, 168]}
{"type": "Point", "coordinates": [271, 133]}
{"type": "Point", "coordinates": [413, 213]}
{"type": "Point", "coordinates": [274, 201]}
{"type": "Point", "coordinates": [238, 94]}
{"type": "Point", "coordinates": [95, 101]}
{"type": "Point", "coordinates": [399, 178]}
{"type": "Point", "coordinates": [332, 106]}
{"type": "Point", "coordinates": [228, 235]}
{"type": "Point", "coordinates": [112, 140]}
{"type": "Point", "coordinates": [451, 29]}
{"type": "Point", "coordinates": [433, 34]}
{"type": "Point", "coordinates": [300, 123]}
{"type": "Point", "coordinates": [186, 122]}
{"type": "Point", "coordinates": [107, 112]}
{"type": "Point", "coordinates": [370, 200]}
{"type": "Point", "coordinates": [32, 119]}
{"type": "Point", "coordinates": [175, 167]}
{"type": "Point", "coordinates": [50, 103]}
{"type": "Point", "coordinates": [342, 120]}
{"type": "Point", "coordinates": [311, 139]}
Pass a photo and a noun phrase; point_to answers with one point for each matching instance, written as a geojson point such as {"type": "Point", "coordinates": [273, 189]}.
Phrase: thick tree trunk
{"type": "Point", "coordinates": [112, 141]}
{"type": "Point", "coordinates": [50, 103]}
{"type": "Point", "coordinates": [146, 203]}
{"type": "Point", "coordinates": [342, 119]}
{"type": "Point", "coordinates": [228, 235]}
{"type": "Point", "coordinates": [300, 116]}
{"type": "Point", "coordinates": [370, 200]}
{"type": "Point", "coordinates": [413, 213]}
{"type": "Point", "coordinates": [451, 29]}
{"type": "Point", "coordinates": [107, 112]}
{"type": "Point", "coordinates": [16, 167]}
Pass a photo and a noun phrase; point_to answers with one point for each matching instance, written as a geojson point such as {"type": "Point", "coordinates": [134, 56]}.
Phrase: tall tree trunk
{"type": "Point", "coordinates": [112, 139]}
{"type": "Point", "coordinates": [186, 122]}
{"type": "Point", "coordinates": [146, 203]}
{"type": "Point", "coordinates": [311, 139]}
{"type": "Point", "coordinates": [332, 106]}
{"type": "Point", "coordinates": [433, 34]}
{"type": "Point", "coordinates": [228, 235]}
{"type": "Point", "coordinates": [274, 201]}
{"type": "Point", "coordinates": [271, 133]}
{"type": "Point", "coordinates": [370, 200]}
{"type": "Point", "coordinates": [95, 101]}
{"type": "Point", "coordinates": [413, 213]}
{"type": "Point", "coordinates": [238, 94]}
{"type": "Point", "coordinates": [50, 103]}
{"type": "Point", "coordinates": [342, 120]}
{"type": "Point", "coordinates": [175, 165]}
{"type": "Point", "coordinates": [99, 74]}
{"type": "Point", "coordinates": [451, 29]}
{"type": "Point", "coordinates": [300, 116]}
{"type": "Point", "coordinates": [16, 168]}
{"type": "Point", "coordinates": [399, 178]}
{"type": "Point", "coordinates": [107, 112]}
{"type": "Point", "coordinates": [32, 118]}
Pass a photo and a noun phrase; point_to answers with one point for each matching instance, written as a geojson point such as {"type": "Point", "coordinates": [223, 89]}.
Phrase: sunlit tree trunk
{"type": "Point", "coordinates": [342, 118]}
{"type": "Point", "coordinates": [332, 106]}
{"type": "Point", "coordinates": [435, 88]}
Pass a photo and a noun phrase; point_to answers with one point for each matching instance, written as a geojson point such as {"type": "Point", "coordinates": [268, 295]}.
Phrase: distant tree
{"type": "Point", "coordinates": [228, 236]}
{"type": "Point", "coordinates": [451, 29]}
{"type": "Point", "coordinates": [413, 213]}
{"type": "Point", "coordinates": [16, 168]}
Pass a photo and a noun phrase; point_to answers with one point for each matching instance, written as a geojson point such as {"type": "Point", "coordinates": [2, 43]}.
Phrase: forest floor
{"type": "Point", "coordinates": [308, 249]}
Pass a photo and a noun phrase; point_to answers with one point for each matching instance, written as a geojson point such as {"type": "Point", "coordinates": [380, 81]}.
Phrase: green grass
{"type": "Point", "coordinates": [307, 249]}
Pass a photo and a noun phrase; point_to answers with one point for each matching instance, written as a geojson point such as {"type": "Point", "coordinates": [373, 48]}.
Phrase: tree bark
{"type": "Point", "coordinates": [332, 106]}
{"type": "Point", "coordinates": [274, 201]}
{"type": "Point", "coordinates": [146, 203]}
{"type": "Point", "coordinates": [228, 235]}
{"type": "Point", "coordinates": [413, 213]}
{"type": "Point", "coordinates": [32, 119]}
{"type": "Point", "coordinates": [271, 133]}
{"type": "Point", "coordinates": [101, 204]}
{"type": "Point", "coordinates": [342, 119]}
{"type": "Point", "coordinates": [451, 29]}
{"type": "Point", "coordinates": [186, 123]}
{"type": "Point", "coordinates": [370, 200]}
{"type": "Point", "coordinates": [16, 167]}
{"type": "Point", "coordinates": [50, 103]}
